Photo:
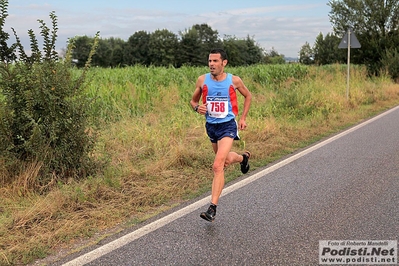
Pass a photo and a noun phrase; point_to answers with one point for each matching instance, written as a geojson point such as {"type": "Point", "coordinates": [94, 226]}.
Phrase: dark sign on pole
{"type": "Point", "coordinates": [349, 41]}
{"type": "Point", "coordinates": [353, 41]}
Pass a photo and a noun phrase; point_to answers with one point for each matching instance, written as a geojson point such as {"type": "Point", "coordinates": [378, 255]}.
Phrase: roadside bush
{"type": "Point", "coordinates": [43, 108]}
{"type": "Point", "coordinates": [390, 60]}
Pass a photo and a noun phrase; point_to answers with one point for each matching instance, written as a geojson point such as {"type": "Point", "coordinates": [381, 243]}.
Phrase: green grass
{"type": "Point", "coordinates": [156, 154]}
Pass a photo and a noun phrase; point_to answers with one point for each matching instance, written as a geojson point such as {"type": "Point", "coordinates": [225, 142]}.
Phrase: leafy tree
{"type": "Point", "coordinates": [109, 52]}
{"type": "Point", "coordinates": [273, 57]}
{"type": "Point", "coordinates": [136, 49]}
{"type": "Point", "coordinates": [103, 56]}
{"type": "Point", "coordinates": [390, 60]}
{"type": "Point", "coordinates": [255, 53]}
{"type": "Point", "coordinates": [375, 23]}
{"type": "Point", "coordinates": [376, 16]}
{"type": "Point", "coordinates": [191, 49]}
{"type": "Point", "coordinates": [208, 38]}
{"type": "Point", "coordinates": [326, 50]}
{"type": "Point", "coordinates": [117, 45]}
{"type": "Point", "coordinates": [81, 50]}
{"type": "Point", "coordinates": [163, 47]}
{"type": "Point", "coordinates": [234, 51]}
{"type": "Point", "coordinates": [195, 44]}
{"type": "Point", "coordinates": [242, 52]}
{"type": "Point", "coordinates": [306, 54]}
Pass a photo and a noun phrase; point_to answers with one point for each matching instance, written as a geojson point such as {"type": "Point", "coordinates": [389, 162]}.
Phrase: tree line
{"type": "Point", "coordinates": [375, 23]}
{"type": "Point", "coordinates": [165, 48]}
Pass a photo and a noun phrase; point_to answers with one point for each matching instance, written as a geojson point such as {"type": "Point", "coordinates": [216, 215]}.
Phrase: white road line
{"type": "Point", "coordinates": [107, 248]}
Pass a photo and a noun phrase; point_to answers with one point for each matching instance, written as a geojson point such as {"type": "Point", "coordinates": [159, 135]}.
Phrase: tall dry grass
{"type": "Point", "coordinates": [156, 152]}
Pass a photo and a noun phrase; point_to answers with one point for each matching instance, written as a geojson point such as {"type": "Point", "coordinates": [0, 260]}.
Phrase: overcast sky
{"type": "Point", "coordinates": [284, 25]}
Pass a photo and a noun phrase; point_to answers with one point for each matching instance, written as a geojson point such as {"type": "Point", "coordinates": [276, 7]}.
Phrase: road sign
{"type": "Point", "coordinates": [349, 41]}
{"type": "Point", "coordinates": [352, 42]}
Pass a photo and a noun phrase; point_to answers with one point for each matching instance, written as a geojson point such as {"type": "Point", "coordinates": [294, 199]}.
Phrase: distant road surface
{"type": "Point", "coordinates": [343, 188]}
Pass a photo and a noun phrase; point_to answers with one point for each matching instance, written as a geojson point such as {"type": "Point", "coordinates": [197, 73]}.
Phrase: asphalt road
{"type": "Point", "coordinates": [343, 188]}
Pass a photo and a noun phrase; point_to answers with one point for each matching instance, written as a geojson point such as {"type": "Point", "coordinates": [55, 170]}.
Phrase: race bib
{"type": "Point", "coordinates": [217, 107]}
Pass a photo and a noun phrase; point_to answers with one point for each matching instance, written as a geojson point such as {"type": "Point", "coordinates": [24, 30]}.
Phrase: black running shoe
{"type": "Point", "coordinates": [209, 215]}
{"type": "Point", "coordinates": [245, 162]}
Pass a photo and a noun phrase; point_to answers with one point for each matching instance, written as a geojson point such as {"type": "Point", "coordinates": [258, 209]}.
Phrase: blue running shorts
{"type": "Point", "coordinates": [218, 131]}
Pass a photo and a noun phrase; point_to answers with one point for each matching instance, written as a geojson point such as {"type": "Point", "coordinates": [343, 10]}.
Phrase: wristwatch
{"type": "Point", "coordinates": [196, 108]}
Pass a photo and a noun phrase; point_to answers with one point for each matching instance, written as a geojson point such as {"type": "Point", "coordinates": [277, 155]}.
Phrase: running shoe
{"type": "Point", "coordinates": [209, 215]}
{"type": "Point", "coordinates": [245, 162]}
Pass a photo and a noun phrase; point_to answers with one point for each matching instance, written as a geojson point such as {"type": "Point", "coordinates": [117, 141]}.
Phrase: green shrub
{"type": "Point", "coordinates": [390, 60]}
{"type": "Point", "coordinates": [43, 115]}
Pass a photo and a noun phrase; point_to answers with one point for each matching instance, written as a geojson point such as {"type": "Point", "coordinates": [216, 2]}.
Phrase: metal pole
{"type": "Point", "coordinates": [349, 59]}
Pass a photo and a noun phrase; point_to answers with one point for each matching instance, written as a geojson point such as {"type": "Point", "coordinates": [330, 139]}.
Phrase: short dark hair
{"type": "Point", "coordinates": [220, 51]}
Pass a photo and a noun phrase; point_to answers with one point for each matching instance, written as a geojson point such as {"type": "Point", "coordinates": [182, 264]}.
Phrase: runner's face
{"type": "Point", "coordinates": [216, 64]}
